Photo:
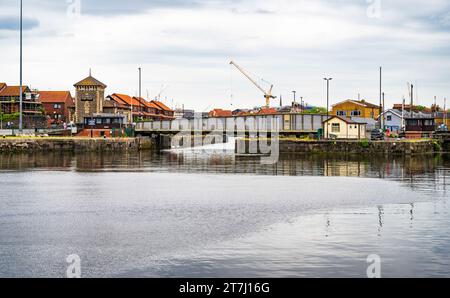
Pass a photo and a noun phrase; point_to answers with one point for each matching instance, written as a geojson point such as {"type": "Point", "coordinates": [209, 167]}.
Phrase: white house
{"type": "Point", "coordinates": [344, 128]}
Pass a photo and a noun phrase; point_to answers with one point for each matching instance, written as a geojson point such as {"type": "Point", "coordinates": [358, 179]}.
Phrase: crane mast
{"type": "Point", "coordinates": [267, 94]}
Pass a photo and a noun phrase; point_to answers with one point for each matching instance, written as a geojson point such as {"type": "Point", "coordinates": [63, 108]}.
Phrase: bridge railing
{"type": "Point", "coordinates": [279, 122]}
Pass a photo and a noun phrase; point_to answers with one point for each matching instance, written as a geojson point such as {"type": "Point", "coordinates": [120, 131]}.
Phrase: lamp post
{"type": "Point", "coordinates": [328, 95]}
{"type": "Point", "coordinates": [20, 90]}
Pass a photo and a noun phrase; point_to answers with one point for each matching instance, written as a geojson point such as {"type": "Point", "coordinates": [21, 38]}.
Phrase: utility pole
{"type": "Point", "coordinates": [412, 101]}
{"type": "Point", "coordinates": [301, 104]}
{"type": "Point", "coordinates": [140, 89]}
{"type": "Point", "coordinates": [435, 107]}
{"type": "Point", "coordinates": [403, 113]}
{"type": "Point", "coordinates": [381, 91]}
{"type": "Point", "coordinates": [328, 95]}
{"type": "Point", "coordinates": [382, 113]}
{"type": "Point", "coordinates": [20, 91]}
{"type": "Point", "coordinates": [445, 111]}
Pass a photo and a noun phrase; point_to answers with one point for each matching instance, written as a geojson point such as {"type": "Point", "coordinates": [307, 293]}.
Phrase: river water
{"type": "Point", "coordinates": [207, 213]}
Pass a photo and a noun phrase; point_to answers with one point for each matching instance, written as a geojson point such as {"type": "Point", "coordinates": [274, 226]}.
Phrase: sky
{"type": "Point", "coordinates": [184, 48]}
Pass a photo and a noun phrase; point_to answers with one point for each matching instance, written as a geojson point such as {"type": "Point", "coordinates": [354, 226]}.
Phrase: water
{"type": "Point", "coordinates": [195, 213]}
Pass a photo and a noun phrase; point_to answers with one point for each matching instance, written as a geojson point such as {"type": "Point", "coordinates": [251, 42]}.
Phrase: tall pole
{"type": "Point", "coordinates": [301, 104]}
{"type": "Point", "coordinates": [412, 102]}
{"type": "Point", "coordinates": [382, 112]}
{"type": "Point", "coordinates": [445, 111]}
{"type": "Point", "coordinates": [435, 106]}
{"type": "Point", "coordinates": [140, 88]}
{"type": "Point", "coordinates": [295, 98]}
{"type": "Point", "coordinates": [20, 91]}
{"type": "Point", "coordinates": [403, 113]}
{"type": "Point", "coordinates": [328, 96]}
{"type": "Point", "coordinates": [381, 91]}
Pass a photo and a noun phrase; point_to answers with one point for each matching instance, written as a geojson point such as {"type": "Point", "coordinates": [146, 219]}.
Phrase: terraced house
{"type": "Point", "coordinates": [57, 105]}
{"type": "Point", "coordinates": [142, 109]}
{"type": "Point", "coordinates": [31, 107]}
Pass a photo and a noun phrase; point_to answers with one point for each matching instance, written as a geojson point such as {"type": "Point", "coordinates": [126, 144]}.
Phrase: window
{"type": "Point", "coordinates": [335, 127]}
{"type": "Point", "coordinates": [57, 106]}
{"type": "Point", "coordinates": [341, 113]}
{"type": "Point", "coordinates": [389, 118]}
{"type": "Point", "coordinates": [356, 113]}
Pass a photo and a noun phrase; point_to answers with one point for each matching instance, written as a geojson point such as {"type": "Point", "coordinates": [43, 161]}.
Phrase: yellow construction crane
{"type": "Point", "coordinates": [267, 94]}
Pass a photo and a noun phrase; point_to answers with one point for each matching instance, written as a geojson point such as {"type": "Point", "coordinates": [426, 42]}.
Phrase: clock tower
{"type": "Point", "coordinates": [89, 98]}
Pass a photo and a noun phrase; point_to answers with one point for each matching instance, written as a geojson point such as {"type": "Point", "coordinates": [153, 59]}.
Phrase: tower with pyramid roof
{"type": "Point", "coordinates": [89, 98]}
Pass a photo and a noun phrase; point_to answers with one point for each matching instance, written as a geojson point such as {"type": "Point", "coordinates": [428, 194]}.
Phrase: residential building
{"type": "Point", "coordinates": [10, 99]}
{"type": "Point", "coordinates": [166, 112]}
{"type": "Point", "coordinates": [116, 107]}
{"type": "Point", "coordinates": [31, 106]}
{"type": "Point", "coordinates": [419, 126]}
{"type": "Point", "coordinates": [150, 111]}
{"type": "Point", "coordinates": [393, 120]}
{"type": "Point", "coordinates": [356, 108]}
{"type": "Point", "coordinates": [142, 109]}
{"type": "Point", "coordinates": [57, 105]}
{"type": "Point", "coordinates": [344, 128]}
{"type": "Point", "coordinates": [443, 118]}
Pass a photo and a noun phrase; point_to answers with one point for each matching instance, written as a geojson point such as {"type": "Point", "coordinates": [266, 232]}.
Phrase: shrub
{"type": "Point", "coordinates": [364, 143]}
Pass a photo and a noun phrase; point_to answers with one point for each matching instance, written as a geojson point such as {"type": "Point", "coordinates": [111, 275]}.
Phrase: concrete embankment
{"type": "Point", "coordinates": [13, 145]}
{"type": "Point", "coordinates": [402, 147]}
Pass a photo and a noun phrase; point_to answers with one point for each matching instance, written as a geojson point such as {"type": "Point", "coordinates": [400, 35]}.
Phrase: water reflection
{"type": "Point", "coordinates": [420, 172]}
{"type": "Point", "coordinates": [233, 218]}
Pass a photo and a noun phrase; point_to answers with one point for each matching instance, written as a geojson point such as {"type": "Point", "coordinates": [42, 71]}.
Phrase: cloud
{"type": "Point", "coordinates": [13, 23]}
{"type": "Point", "coordinates": [188, 43]}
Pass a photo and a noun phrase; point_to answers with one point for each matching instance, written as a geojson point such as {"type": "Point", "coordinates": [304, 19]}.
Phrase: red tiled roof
{"type": "Point", "coordinates": [12, 90]}
{"type": "Point", "coordinates": [55, 97]}
{"type": "Point", "coordinates": [128, 100]}
{"type": "Point", "coordinates": [267, 111]}
{"type": "Point", "coordinates": [117, 99]}
{"type": "Point", "coordinates": [220, 113]}
{"type": "Point", "coordinates": [148, 104]}
{"type": "Point", "coordinates": [2, 85]}
{"type": "Point", "coordinates": [162, 106]}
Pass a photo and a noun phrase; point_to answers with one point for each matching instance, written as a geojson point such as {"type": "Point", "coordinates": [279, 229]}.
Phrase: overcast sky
{"type": "Point", "coordinates": [186, 45]}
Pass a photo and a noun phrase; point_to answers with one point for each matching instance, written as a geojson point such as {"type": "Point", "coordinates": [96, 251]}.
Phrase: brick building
{"type": "Point", "coordinates": [57, 105]}
{"type": "Point", "coordinates": [89, 98]}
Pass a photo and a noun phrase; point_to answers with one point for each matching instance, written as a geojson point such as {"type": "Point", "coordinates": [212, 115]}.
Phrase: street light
{"type": "Point", "coordinates": [328, 95]}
